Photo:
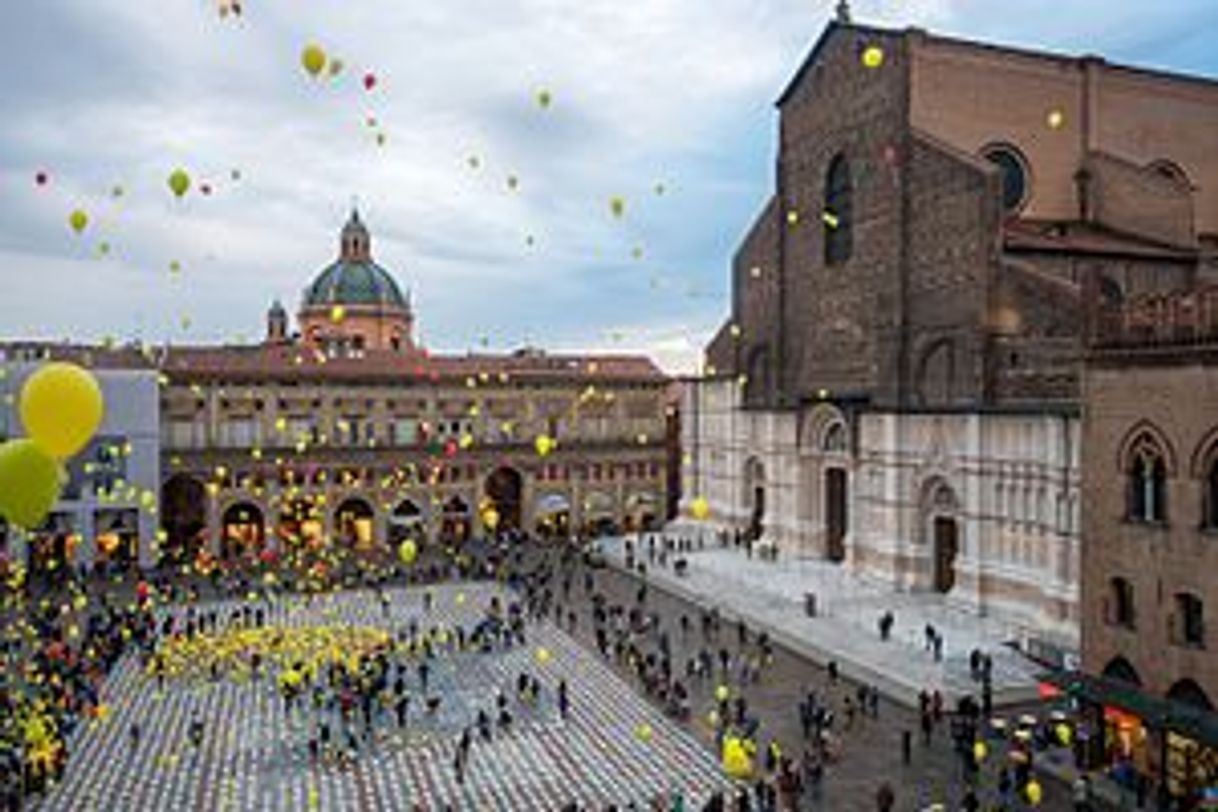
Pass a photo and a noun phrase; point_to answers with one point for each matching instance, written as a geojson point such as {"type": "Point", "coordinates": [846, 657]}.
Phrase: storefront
{"type": "Point", "coordinates": [1130, 733]}
{"type": "Point", "coordinates": [553, 512]}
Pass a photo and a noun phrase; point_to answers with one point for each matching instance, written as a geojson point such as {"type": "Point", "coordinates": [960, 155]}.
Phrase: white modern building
{"type": "Point", "coordinates": [109, 502]}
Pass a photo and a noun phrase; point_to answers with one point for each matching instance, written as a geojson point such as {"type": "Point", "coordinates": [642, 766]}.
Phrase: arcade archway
{"type": "Point", "coordinates": [301, 521]}
{"type": "Point", "coordinates": [183, 518]}
{"type": "Point", "coordinates": [242, 531]}
{"type": "Point", "coordinates": [406, 521]}
{"type": "Point", "coordinates": [553, 515]}
{"type": "Point", "coordinates": [455, 521]}
{"type": "Point", "coordinates": [505, 488]}
{"type": "Point", "coordinates": [354, 523]}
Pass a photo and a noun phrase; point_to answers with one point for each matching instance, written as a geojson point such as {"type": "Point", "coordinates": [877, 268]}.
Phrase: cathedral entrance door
{"type": "Point", "coordinates": [946, 547]}
{"type": "Point", "coordinates": [755, 525]}
{"type": "Point", "coordinates": [836, 521]}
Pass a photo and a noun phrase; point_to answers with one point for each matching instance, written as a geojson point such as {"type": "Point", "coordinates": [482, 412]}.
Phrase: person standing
{"type": "Point", "coordinates": [885, 798]}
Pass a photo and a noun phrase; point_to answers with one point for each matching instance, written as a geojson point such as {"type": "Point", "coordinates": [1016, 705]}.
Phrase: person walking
{"type": "Point", "coordinates": [1081, 793]}
{"type": "Point", "coordinates": [885, 798]}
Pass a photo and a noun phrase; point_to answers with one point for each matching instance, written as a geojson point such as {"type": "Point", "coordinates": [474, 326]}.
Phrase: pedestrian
{"type": "Point", "coordinates": [833, 672]}
{"type": "Point", "coordinates": [1081, 793]}
{"type": "Point", "coordinates": [564, 703]}
{"type": "Point", "coordinates": [133, 736]}
{"type": "Point", "coordinates": [885, 798]}
{"type": "Point", "coordinates": [906, 746]}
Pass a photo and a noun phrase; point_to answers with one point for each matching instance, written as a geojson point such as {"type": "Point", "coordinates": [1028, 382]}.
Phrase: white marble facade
{"type": "Point", "coordinates": [1002, 489]}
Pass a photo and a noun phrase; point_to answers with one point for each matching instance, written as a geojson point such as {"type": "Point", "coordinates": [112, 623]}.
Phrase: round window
{"type": "Point", "coordinates": [1014, 175]}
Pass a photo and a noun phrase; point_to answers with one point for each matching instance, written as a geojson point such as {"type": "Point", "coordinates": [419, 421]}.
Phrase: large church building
{"type": "Point", "coordinates": [897, 386]}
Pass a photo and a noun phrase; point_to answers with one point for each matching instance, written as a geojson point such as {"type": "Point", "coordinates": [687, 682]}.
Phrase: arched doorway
{"type": "Point", "coordinates": [1120, 669]}
{"type": "Point", "coordinates": [117, 538]}
{"type": "Point", "coordinates": [754, 490]}
{"type": "Point", "coordinates": [300, 521]}
{"type": "Point", "coordinates": [353, 523]}
{"type": "Point", "coordinates": [52, 547]}
{"type": "Point", "coordinates": [1191, 765]}
{"type": "Point", "coordinates": [836, 515]}
{"type": "Point", "coordinates": [455, 521]}
{"type": "Point", "coordinates": [942, 509]}
{"type": "Point", "coordinates": [641, 511]}
{"type": "Point", "coordinates": [598, 514]}
{"type": "Point", "coordinates": [553, 515]}
{"type": "Point", "coordinates": [183, 518]}
{"type": "Point", "coordinates": [242, 530]}
{"type": "Point", "coordinates": [1188, 692]}
{"type": "Point", "coordinates": [405, 522]}
{"type": "Point", "coordinates": [504, 487]}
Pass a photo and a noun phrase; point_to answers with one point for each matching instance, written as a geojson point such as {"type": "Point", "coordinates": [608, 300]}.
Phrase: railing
{"type": "Point", "coordinates": [1160, 320]}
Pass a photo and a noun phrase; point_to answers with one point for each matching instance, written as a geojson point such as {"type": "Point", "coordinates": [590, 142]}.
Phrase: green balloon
{"type": "Point", "coordinates": [29, 483]}
{"type": "Point", "coordinates": [78, 220]}
{"type": "Point", "coordinates": [179, 182]}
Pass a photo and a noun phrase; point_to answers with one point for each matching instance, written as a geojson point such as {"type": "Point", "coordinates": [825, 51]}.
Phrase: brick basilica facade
{"type": "Point", "coordinates": [896, 387]}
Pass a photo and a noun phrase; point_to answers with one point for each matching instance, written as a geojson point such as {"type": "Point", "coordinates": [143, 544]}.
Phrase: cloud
{"type": "Point", "coordinates": [676, 92]}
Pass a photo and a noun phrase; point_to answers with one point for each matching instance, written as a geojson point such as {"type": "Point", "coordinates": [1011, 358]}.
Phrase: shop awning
{"type": "Point", "coordinates": [1156, 712]}
{"type": "Point", "coordinates": [552, 503]}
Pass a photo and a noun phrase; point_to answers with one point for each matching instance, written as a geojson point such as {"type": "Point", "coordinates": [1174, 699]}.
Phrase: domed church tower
{"type": "Point", "coordinates": [354, 304]}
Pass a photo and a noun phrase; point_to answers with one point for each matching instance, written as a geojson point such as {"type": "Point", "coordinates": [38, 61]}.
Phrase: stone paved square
{"type": "Point", "coordinates": [254, 756]}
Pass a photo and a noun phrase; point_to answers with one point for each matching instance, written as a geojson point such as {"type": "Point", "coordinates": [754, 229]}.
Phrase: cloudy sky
{"type": "Point", "coordinates": [666, 104]}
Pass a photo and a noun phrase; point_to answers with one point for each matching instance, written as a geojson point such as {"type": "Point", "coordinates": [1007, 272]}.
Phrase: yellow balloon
{"type": "Point", "coordinates": [313, 58]}
{"type": "Point", "coordinates": [700, 508]}
{"type": "Point", "coordinates": [543, 656]}
{"type": "Point", "coordinates": [78, 220]}
{"type": "Point", "coordinates": [544, 445]}
{"type": "Point", "coordinates": [722, 693]}
{"type": "Point", "coordinates": [29, 483]}
{"type": "Point", "coordinates": [179, 182]}
{"type": "Point", "coordinates": [617, 205]}
{"type": "Point", "coordinates": [873, 57]}
{"type": "Point", "coordinates": [1033, 792]}
{"type": "Point", "coordinates": [407, 552]}
{"type": "Point", "coordinates": [643, 732]}
{"type": "Point", "coordinates": [61, 407]}
{"type": "Point", "coordinates": [980, 751]}
{"type": "Point", "coordinates": [490, 518]}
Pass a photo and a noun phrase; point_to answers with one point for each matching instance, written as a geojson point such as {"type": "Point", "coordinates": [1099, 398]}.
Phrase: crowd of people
{"type": "Point", "coordinates": [345, 684]}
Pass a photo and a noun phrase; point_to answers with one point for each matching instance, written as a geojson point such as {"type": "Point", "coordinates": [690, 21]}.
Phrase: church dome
{"type": "Point", "coordinates": [354, 283]}
{"type": "Point", "coordinates": [354, 279]}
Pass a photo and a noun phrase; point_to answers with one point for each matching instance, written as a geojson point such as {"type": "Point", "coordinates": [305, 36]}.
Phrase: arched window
{"type": "Point", "coordinates": [835, 441]}
{"type": "Point", "coordinates": [837, 218]}
{"type": "Point", "coordinates": [1188, 623]}
{"type": "Point", "coordinates": [1015, 175]}
{"type": "Point", "coordinates": [1119, 609]}
{"type": "Point", "coordinates": [1146, 474]}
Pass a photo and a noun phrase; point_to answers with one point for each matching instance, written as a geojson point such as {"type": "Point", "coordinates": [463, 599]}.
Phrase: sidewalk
{"type": "Point", "coordinates": [770, 595]}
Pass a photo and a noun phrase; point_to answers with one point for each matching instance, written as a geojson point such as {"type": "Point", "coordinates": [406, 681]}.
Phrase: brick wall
{"type": "Point", "coordinates": [1179, 403]}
